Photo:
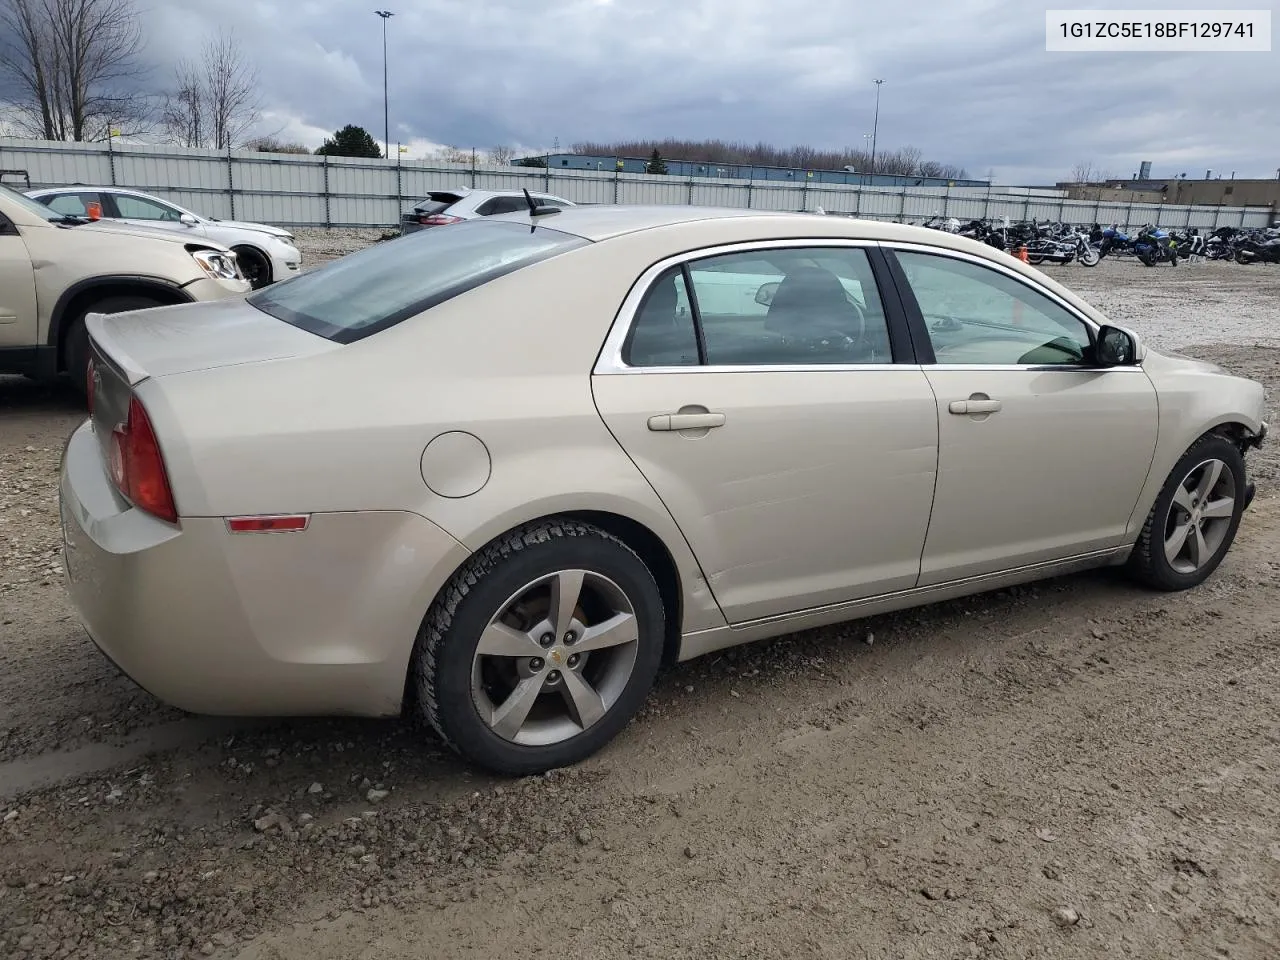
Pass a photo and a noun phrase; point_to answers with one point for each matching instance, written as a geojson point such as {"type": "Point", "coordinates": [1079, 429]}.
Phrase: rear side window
{"type": "Point", "coordinates": [384, 284]}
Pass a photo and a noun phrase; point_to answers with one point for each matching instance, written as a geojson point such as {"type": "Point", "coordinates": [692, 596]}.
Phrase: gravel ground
{"type": "Point", "coordinates": [1076, 769]}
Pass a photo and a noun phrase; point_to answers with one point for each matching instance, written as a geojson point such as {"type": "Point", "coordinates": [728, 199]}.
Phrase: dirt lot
{"type": "Point", "coordinates": [1079, 769]}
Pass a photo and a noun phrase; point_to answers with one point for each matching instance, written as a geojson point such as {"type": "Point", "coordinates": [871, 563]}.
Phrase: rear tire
{"type": "Point", "coordinates": [75, 351]}
{"type": "Point", "coordinates": [507, 596]}
{"type": "Point", "coordinates": [1193, 505]}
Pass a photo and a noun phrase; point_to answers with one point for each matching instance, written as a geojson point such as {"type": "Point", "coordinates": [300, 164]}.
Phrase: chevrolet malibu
{"type": "Point", "coordinates": [496, 475]}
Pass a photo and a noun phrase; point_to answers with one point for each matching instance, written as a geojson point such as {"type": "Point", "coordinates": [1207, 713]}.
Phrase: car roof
{"type": "Point", "coordinates": [83, 187]}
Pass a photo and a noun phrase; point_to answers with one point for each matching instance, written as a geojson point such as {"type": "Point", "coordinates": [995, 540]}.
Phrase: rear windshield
{"type": "Point", "coordinates": [391, 281]}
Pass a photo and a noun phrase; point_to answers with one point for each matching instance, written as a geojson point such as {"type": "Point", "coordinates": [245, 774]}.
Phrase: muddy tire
{"type": "Point", "coordinates": [540, 649]}
{"type": "Point", "coordinates": [1194, 520]}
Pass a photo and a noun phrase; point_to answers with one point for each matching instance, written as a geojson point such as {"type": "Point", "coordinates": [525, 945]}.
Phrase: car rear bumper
{"type": "Point", "coordinates": [316, 622]}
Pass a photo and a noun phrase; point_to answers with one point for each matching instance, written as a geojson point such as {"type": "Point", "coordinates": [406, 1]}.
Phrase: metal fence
{"type": "Point", "coordinates": [303, 190]}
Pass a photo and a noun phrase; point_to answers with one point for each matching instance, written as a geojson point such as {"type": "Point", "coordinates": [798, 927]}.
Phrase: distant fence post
{"type": "Point", "coordinates": [690, 189]}
{"type": "Point", "coordinates": [111, 157]}
{"type": "Point", "coordinates": [231, 182]}
{"type": "Point", "coordinates": [1128, 218]}
{"type": "Point", "coordinates": [473, 168]}
{"type": "Point", "coordinates": [327, 220]}
{"type": "Point", "coordinates": [750, 184]}
{"type": "Point", "coordinates": [946, 203]}
{"type": "Point", "coordinates": [399, 184]}
{"type": "Point", "coordinates": [1026, 206]}
{"type": "Point", "coordinates": [616, 174]}
{"type": "Point", "coordinates": [902, 205]}
{"type": "Point", "coordinates": [546, 177]}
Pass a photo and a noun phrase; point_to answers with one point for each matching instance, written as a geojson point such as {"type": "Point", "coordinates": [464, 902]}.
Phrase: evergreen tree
{"type": "Point", "coordinates": [656, 164]}
{"type": "Point", "coordinates": [350, 141]}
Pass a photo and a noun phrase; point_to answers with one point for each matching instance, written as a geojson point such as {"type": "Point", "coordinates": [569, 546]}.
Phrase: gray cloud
{"type": "Point", "coordinates": [967, 81]}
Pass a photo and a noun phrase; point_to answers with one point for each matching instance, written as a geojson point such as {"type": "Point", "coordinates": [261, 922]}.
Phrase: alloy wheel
{"type": "Point", "coordinates": [555, 658]}
{"type": "Point", "coordinates": [1200, 515]}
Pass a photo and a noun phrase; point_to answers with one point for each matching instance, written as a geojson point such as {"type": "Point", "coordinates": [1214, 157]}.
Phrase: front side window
{"type": "Point", "coordinates": [382, 285]}
{"type": "Point", "coordinates": [792, 305]}
{"type": "Point", "coordinates": [979, 315]}
{"type": "Point", "coordinates": [74, 204]}
{"type": "Point", "coordinates": [141, 208]}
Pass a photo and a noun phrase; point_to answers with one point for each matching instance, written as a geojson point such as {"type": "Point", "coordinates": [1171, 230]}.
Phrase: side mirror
{"type": "Point", "coordinates": [1116, 348]}
{"type": "Point", "coordinates": [188, 220]}
{"type": "Point", "coordinates": [764, 296]}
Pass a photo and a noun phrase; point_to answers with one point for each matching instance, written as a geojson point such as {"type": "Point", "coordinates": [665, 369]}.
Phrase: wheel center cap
{"type": "Point", "coordinates": [556, 656]}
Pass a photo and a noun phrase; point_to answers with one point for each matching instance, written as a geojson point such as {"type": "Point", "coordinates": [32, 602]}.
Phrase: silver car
{"type": "Point", "coordinates": [514, 466]}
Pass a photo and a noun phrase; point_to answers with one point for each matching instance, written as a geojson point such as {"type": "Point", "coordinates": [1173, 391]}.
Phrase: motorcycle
{"type": "Point", "coordinates": [1115, 242]}
{"type": "Point", "coordinates": [1073, 246]}
{"type": "Point", "coordinates": [1154, 245]}
{"type": "Point", "coordinates": [1258, 251]}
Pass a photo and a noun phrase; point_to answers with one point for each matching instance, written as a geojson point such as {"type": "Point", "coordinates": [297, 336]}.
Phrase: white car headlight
{"type": "Point", "coordinates": [218, 264]}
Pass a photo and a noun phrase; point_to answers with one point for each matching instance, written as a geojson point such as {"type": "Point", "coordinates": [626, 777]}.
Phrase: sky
{"type": "Point", "coordinates": [966, 81]}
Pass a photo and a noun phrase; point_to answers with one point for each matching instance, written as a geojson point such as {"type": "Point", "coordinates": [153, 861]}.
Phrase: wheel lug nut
{"type": "Point", "coordinates": [573, 660]}
{"type": "Point", "coordinates": [570, 637]}
{"type": "Point", "coordinates": [554, 676]}
{"type": "Point", "coordinates": [546, 640]}
{"type": "Point", "coordinates": [536, 664]}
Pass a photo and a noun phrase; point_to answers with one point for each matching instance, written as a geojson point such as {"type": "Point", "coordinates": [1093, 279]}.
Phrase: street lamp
{"type": "Point", "coordinates": [866, 145]}
{"type": "Point", "coordinates": [875, 126]}
{"type": "Point", "coordinates": [386, 113]}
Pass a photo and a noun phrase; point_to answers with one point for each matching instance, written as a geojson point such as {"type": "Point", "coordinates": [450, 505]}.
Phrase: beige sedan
{"type": "Point", "coordinates": [498, 474]}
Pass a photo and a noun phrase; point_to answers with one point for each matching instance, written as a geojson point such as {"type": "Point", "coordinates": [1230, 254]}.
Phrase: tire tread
{"type": "Point", "coordinates": [439, 619]}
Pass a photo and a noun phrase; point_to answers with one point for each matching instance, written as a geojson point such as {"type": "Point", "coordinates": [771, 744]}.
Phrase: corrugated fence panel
{"type": "Point", "coordinates": [340, 191]}
{"type": "Point", "coordinates": [49, 169]}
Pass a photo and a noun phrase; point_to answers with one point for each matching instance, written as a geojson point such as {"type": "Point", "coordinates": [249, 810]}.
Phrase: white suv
{"type": "Point", "coordinates": [55, 270]}
{"type": "Point", "coordinates": [265, 253]}
{"type": "Point", "coordinates": [443, 207]}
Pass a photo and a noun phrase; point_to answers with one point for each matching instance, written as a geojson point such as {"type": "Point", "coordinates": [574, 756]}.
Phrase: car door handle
{"type": "Point", "coordinates": [686, 421]}
{"type": "Point", "coordinates": [967, 407]}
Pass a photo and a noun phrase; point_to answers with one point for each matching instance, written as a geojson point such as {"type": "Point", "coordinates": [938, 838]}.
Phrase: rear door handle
{"type": "Point", "coordinates": [686, 421]}
{"type": "Point", "coordinates": [965, 407]}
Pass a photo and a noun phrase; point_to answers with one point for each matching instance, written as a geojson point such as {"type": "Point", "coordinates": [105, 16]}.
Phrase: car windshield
{"type": "Point", "coordinates": [389, 282]}
{"type": "Point", "coordinates": [31, 206]}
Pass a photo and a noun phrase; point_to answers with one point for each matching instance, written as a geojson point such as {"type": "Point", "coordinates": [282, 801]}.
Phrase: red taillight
{"type": "Point", "coordinates": [438, 220]}
{"type": "Point", "coordinates": [137, 468]}
{"type": "Point", "coordinates": [88, 383]}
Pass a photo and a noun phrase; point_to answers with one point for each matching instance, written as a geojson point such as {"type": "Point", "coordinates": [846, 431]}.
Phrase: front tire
{"type": "Point", "coordinates": [1194, 519]}
{"type": "Point", "coordinates": [255, 265]}
{"type": "Point", "coordinates": [541, 648]}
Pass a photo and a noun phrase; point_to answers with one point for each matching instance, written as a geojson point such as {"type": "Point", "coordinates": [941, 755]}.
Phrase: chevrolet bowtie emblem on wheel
{"type": "Point", "coordinates": [555, 656]}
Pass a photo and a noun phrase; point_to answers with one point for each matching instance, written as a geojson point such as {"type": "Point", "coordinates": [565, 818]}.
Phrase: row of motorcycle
{"type": "Point", "coordinates": [1056, 242]}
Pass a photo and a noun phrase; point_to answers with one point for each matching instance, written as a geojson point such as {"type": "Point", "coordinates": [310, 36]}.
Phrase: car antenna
{"type": "Point", "coordinates": [534, 209]}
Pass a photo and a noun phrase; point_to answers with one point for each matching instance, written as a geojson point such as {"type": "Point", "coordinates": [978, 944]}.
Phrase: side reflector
{"type": "Point", "coordinates": [268, 524]}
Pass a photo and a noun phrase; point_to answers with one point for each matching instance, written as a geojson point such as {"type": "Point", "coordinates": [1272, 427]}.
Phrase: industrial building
{"type": "Point", "coordinates": [738, 171]}
{"type": "Point", "coordinates": [1227, 192]}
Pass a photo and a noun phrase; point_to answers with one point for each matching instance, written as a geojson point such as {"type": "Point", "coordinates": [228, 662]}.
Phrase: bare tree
{"type": "Point", "coordinates": [73, 66]}
{"type": "Point", "coordinates": [183, 112]}
{"type": "Point", "coordinates": [1083, 172]}
{"type": "Point", "coordinates": [453, 155]}
{"type": "Point", "coordinates": [501, 154]}
{"type": "Point", "coordinates": [216, 102]}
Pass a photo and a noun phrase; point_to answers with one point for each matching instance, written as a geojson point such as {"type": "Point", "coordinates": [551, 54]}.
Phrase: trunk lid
{"type": "Point", "coordinates": [164, 341]}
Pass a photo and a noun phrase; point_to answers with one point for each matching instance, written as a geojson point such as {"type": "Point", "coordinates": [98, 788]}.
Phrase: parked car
{"type": "Point", "coordinates": [265, 253]}
{"type": "Point", "coordinates": [514, 466]}
{"type": "Point", "coordinates": [442, 208]}
{"type": "Point", "coordinates": [55, 269]}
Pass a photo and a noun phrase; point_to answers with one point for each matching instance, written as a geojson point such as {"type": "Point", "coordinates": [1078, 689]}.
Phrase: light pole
{"type": "Point", "coordinates": [866, 144]}
{"type": "Point", "coordinates": [386, 112]}
{"type": "Point", "coordinates": [875, 126]}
